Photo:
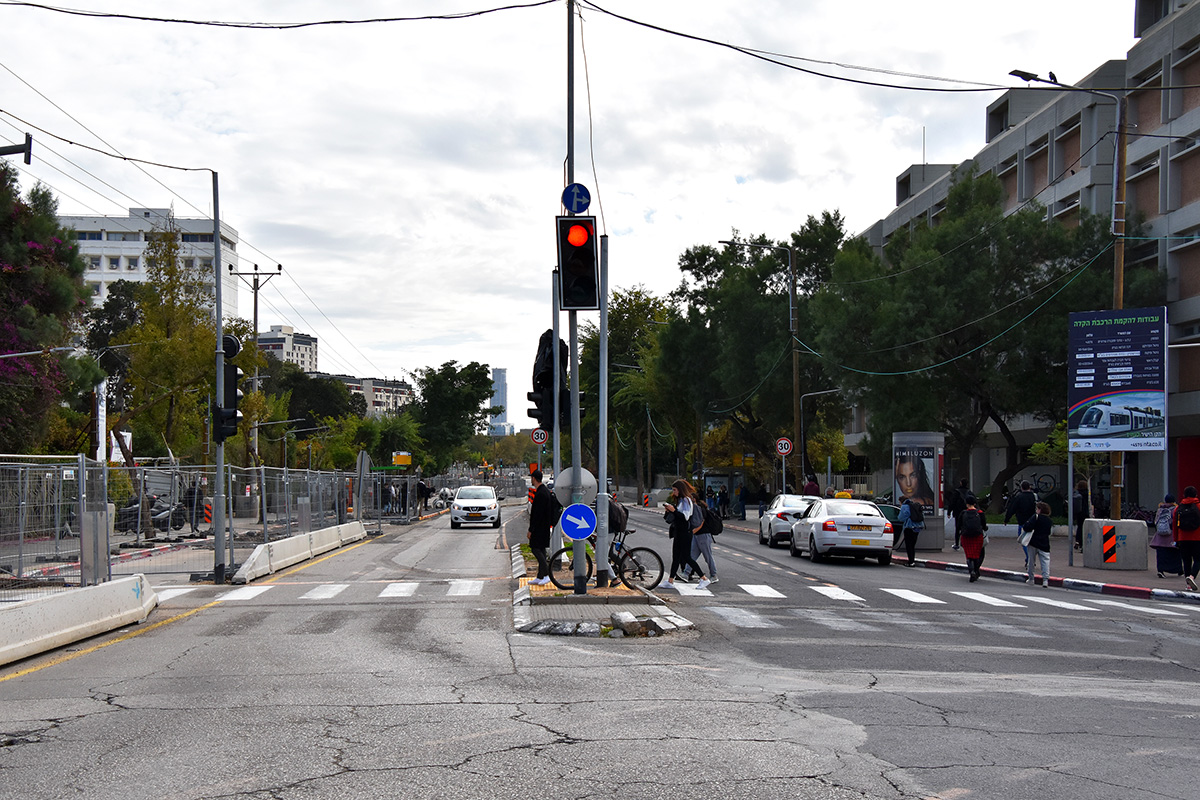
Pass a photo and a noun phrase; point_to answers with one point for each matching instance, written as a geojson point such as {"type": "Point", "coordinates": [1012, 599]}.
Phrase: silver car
{"type": "Point", "coordinates": [775, 526]}
{"type": "Point", "coordinates": [475, 504]}
{"type": "Point", "coordinates": [837, 527]}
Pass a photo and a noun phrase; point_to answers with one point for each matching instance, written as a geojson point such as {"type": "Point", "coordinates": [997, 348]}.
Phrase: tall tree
{"type": "Point", "coordinates": [452, 406]}
{"type": "Point", "coordinates": [42, 300]}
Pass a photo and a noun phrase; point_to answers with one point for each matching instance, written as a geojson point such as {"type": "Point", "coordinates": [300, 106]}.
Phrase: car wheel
{"type": "Point", "coordinates": [496, 524]}
{"type": "Point", "coordinates": [885, 559]}
{"type": "Point", "coordinates": [761, 540]}
{"type": "Point", "coordinates": [795, 551]}
{"type": "Point", "coordinates": [455, 525]}
{"type": "Point", "coordinates": [813, 555]}
{"type": "Point", "coordinates": [771, 539]}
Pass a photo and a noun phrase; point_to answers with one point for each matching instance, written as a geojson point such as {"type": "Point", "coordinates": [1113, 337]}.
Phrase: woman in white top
{"type": "Point", "coordinates": [685, 518]}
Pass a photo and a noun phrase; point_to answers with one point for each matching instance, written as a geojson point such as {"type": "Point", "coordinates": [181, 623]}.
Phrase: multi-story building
{"type": "Point", "coordinates": [114, 248]}
{"type": "Point", "coordinates": [284, 343]}
{"type": "Point", "coordinates": [383, 395]}
{"type": "Point", "coordinates": [1056, 147]}
{"type": "Point", "coordinates": [500, 426]}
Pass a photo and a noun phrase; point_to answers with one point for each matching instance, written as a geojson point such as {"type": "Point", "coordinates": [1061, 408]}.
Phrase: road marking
{"type": "Point", "coordinates": [406, 589]}
{"type": "Point", "coordinates": [1131, 607]}
{"type": "Point", "coordinates": [985, 598]}
{"type": "Point", "coordinates": [831, 620]}
{"type": "Point", "coordinates": [914, 597]}
{"type": "Point", "coordinates": [325, 592]}
{"type": "Point", "coordinates": [244, 593]}
{"type": "Point", "coordinates": [837, 593]}
{"type": "Point", "coordinates": [459, 588]}
{"type": "Point", "coordinates": [1046, 601]}
{"type": "Point", "coordinates": [743, 618]}
{"type": "Point", "coordinates": [691, 590]}
{"type": "Point", "coordinates": [171, 592]}
{"type": "Point", "coordinates": [759, 590]}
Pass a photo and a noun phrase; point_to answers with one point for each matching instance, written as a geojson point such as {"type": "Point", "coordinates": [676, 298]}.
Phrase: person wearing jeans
{"type": "Point", "coordinates": [1188, 541]}
{"type": "Point", "coordinates": [1038, 550]}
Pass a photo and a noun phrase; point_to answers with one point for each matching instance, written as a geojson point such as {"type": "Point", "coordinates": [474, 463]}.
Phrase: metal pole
{"type": "Point", "coordinates": [1071, 508]}
{"type": "Point", "coordinates": [219, 489]}
{"type": "Point", "coordinates": [796, 421]}
{"type": "Point", "coordinates": [602, 534]}
{"type": "Point", "coordinates": [1117, 461]}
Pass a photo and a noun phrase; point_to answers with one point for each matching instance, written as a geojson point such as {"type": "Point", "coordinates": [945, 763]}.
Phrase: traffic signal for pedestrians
{"type": "Point", "coordinates": [578, 264]}
{"type": "Point", "coordinates": [227, 415]}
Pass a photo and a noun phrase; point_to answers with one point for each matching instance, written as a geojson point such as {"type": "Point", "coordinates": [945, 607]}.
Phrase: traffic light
{"type": "Point", "coordinates": [227, 415]}
{"type": "Point", "coordinates": [578, 264]}
{"type": "Point", "coordinates": [542, 395]}
{"type": "Point", "coordinates": [564, 407]}
{"type": "Point", "coordinates": [543, 410]}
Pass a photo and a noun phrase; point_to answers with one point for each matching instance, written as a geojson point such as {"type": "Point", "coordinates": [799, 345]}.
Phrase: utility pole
{"type": "Point", "coordinates": [256, 282]}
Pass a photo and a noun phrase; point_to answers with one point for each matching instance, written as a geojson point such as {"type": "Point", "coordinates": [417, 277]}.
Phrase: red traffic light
{"type": "Point", "coordinates": [578, 235]}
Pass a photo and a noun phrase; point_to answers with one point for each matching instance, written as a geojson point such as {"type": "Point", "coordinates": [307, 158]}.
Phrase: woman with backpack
{"type": "Point", "coordinates": [1187, 534]}
{"type": "Point", "coordinates": [973, 526]}
{"type": "Point", "coordinates": [685, 518]}
{"type": "Point", "coordinates": [1166, 556]}
{"type": "Point", "coordinates": [913, 518]}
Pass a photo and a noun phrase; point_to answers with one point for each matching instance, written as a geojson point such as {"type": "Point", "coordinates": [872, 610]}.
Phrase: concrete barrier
{"type": "Point", "coordinates": [352, 532]}
{"type": "Point", "coordinates": [1115, 544]}
{"type": "Point", "coordinates": [269, 558]}
{"type": "Point", "coordinates": [35, 626]}
{"type": "Point", "coordinates": [257, 565]}
{"type": "Point", "coordinates": [324, 540]}
{"type": "Point", "coordinates": [289, 551]}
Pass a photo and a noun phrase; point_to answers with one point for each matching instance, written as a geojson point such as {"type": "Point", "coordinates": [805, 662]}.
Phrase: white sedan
{"type": "Point", "coordinates": [835, 527]}
{"type": "Point", "coordinates": [776, 525]}
{"type": "Point", "coordinates": [475, 504]}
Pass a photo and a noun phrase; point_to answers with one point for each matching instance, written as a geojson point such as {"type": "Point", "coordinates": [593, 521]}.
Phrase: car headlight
{"type": "Point", "coordinates": [491, 506]}
{"type": "Point", "coordinates": [456, 507]}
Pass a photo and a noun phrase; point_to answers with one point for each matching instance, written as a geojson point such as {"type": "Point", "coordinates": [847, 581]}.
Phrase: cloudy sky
{"type": "Point", "coordinates": [406, 174]}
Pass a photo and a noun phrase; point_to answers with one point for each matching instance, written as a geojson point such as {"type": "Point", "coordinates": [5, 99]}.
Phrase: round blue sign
{"type": "Point", "coordinates": [578, 521]}
{"type": "Point", "coordinates": [576, 198]}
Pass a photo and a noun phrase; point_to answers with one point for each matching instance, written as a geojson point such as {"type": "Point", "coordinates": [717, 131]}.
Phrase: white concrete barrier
{"type": "Point", "coordinates": [324, 540]}
{"type": "Point", "coordinates": [268, 558]}
{"type": "Point", "coordinates": [35, 626]}
{"type": "Point", "coordinates": [352, 532]}
{"type": "Point", "coordinates": [257, 565]}
{"type": "Point", "coordinates": [289, 551]}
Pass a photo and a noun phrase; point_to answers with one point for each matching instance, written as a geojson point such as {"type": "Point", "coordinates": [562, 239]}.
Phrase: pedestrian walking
{"type": "Point", "coordinates": [1080, 509]}
{"type": "Point", "coordinates": [540, 523]}
{"type": "Point", "coordinates": [193, 501]}
{"type": "Point", "coordinates": [723, 501]}
{"type": "Point", "coordinates": [702, 545]}
{"type": "Point", "coordinates": [1023, 505]}
{"type": "Point", "coordinates": [974, 537]}
{"type": "Point", "coordinates": [1038, 550]}
{"type": "Point", "coordinates": [685, 518]}
{"type": "Point", "coordinates": [912, 517]}
{"type": "Point", "coordinates": [762, 500]}
{"type": "Point", "coordinates": [1187, 534]}
{"type": "Point", "coordinates": [811, 488]}
{"type": "Point", "coordinates": [1166, 555]}
{"type": "Point", "coordinates": [958, 504]}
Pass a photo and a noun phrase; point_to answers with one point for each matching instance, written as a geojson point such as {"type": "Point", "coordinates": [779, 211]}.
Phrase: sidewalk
{"type": "Point", "coordinates": [1004, 559]}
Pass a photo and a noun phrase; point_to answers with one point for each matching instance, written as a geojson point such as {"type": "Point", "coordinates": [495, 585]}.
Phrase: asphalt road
{"type": "Point", "coordinates": [390, 669]}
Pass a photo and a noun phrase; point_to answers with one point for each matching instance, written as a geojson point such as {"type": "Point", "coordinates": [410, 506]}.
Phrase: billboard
{"type": "Point", "coordinates": [915, 472]}
{"type": "Point", "coordinates": [1117, 380]}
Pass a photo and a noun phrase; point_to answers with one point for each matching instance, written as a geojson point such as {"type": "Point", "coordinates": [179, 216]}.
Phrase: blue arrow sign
{"type": "Point", "coordinates": [578, 521]}
{"type": "Point", "coordinates": [576, 198]}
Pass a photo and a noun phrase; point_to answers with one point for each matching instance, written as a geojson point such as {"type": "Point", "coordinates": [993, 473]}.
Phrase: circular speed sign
{"type": "Point", "coordinates": [539, 436]}
{"type": "Point", "coordinates": [783, 446]}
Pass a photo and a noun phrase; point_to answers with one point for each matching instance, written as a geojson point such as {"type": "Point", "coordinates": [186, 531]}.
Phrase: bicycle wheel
{"type": "Point", "coordinates": [562, 568]}
{"type": "Point", "coordinates": [640, 567]}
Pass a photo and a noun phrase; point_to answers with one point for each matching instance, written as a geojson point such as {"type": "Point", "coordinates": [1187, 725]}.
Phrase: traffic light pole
{"type": "Point", "coordinates": [219, 488]}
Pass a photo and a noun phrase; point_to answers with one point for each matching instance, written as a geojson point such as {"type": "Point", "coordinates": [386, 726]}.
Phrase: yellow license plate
{"type": "Point", "coordinates": [864, 542]}
{"type": "Point", "coordinates": [859, 527]}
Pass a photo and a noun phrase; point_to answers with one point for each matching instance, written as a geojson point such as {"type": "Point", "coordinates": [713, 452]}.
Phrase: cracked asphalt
{"type": "Point", "coordinates": [434, 695]}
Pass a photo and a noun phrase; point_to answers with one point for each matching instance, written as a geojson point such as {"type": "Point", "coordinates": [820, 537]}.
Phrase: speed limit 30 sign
{"type": "Point", "coordinates": [539, 436]}
{"type": "Point", "coordinates": [783, 446]}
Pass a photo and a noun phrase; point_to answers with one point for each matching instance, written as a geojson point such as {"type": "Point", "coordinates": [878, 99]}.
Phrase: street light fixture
{"type": "Point", "coordinates": [792, 332]}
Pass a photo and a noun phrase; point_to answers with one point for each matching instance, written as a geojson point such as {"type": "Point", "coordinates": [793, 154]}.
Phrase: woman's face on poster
{"type": "Point", "coordinates": [907, 477]}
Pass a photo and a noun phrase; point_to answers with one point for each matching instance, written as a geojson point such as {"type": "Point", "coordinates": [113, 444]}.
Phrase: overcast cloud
{"type": "Point", "coordinates": [406, 174]}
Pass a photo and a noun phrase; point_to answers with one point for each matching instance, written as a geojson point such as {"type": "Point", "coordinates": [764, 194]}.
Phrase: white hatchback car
{"type": "Point", "coordinates": [475, 504]}
{"type": "Point", "coordinates": [775, 526]}
{"type": "Point", "coordinates": [843, 528]}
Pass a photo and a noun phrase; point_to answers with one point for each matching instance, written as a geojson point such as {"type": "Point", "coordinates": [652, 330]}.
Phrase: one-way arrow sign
{"type": "Point", "coordinates": [578, 521]}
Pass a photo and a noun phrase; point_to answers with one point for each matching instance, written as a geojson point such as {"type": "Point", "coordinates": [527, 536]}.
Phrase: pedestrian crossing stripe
{"type": "Point", "coordinates": [760, 590]}
{"type": "Point", "coordinates": [837, 593]}
{"type": "Point", "coordinates": [987, 599]}
{"type": "Point", "coordinates": [325, 592]}
{"type": "Point", "coordinates": [914, 597]}
{"type": "Point", "coordinates": [1047, 601]}
{"type": "Point", "coordinates": [1143, 609]}
{"type": "Point", "coordinates": [405, 589]}
{"type": "Point", "coordinates": [463, 588]}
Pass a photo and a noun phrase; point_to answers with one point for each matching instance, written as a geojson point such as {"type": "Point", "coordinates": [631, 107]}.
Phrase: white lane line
{"type": "Point", "coordinates": [245, 593]}
{"type": "Point", "coordinates": [1046, 601]}
{"type": "Point", "coordinates": [831, 620]}
{"type": "Point", "coordinates": [837, 593]}
{"type": "Point", "coordinates": [405, 589]}
{"type": "Point", "coordinates": [1143, 609]}
{"type": "Point", "coordinates": [460, 588]}
{"type": "Point", "coordinates": [760, 590]}
{"type": "Point", "coordinates": [914, 597]}
{"type": "Point", "coordinates": [325, 592]}
{"type": "Point", "coordinates": [988, 599]}
{"type": "Point", "coordinates": [169, 592]}
{"type": "Point", "coordinates": [743, 618]}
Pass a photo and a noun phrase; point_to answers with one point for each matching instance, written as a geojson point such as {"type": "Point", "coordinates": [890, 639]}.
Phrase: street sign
{"type": "Point", "coordinates": [578, 521]}
{"type": "Point", "coordinates": [783, 446]}
{"type": "Point", "coordinates": [564, 486]}
{"type": "Point", "coordinates": [576, 198]}
{"type": "Point", "coordinates": [539, 436]}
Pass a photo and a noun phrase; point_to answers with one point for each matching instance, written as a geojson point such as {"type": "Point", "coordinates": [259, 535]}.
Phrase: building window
{"type": "Point", "coordinates": [131, 263]}
{"type": "Point", "coordinates": [198, 237]}
{"type": "Point", "coordinates": [114, 262]}
{"type": "Point", "coordinates": [206, 263]}
{"type": "Point", "coordinates": [88, 236]}
{"type": "Point", "coordinates": [189, 263]}
{"type": "Point", "coordinates": [93, 262]}
{"type": "Point", "coordinates": [124, 236]}
{"type": "Point", "coordinates": [95, 287]}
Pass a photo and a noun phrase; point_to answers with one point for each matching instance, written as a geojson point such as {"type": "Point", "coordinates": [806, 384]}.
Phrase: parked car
{"type": "Point", "coordinates": [775, 526]}
{"type": "Point", "coordinates": [892, 514]}
{"type": "Point", "coordinates": [475, 504]}
{"type": "Point", "coordinates": [835, 527]}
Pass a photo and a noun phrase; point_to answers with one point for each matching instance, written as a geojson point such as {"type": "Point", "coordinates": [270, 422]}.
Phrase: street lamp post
{"type": "Point", "coordinates": [795, 351]}
{"type": "Point", "coordinates": [800, 444]}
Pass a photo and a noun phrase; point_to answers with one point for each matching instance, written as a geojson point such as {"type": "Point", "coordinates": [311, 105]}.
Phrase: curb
{"type": "Point", "coordinates": [1077, 584]}
{"type": "Point", "coordinates": [657, 620]}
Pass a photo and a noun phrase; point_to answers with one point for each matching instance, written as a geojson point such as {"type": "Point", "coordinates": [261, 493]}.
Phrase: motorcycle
{"type": "Point", "coordinates": [162, 515]}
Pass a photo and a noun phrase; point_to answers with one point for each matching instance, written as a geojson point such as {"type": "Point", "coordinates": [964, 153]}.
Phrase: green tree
{"type": "Point", "coordinates": [42, 300]}
{"type": "Point", "coordinates": [451, 407]}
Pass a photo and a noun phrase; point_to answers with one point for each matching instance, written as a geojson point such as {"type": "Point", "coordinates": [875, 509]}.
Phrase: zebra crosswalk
{"type": "Point", "coordinates": [327, 591]}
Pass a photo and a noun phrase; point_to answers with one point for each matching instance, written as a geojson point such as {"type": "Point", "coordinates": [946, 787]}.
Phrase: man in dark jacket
{"type": "Point", "coordinates": [957, 505]}
{"type": "Point", "coordinates": [1023, 506]}
{"type": "Point", "coordinates": [540, 525]}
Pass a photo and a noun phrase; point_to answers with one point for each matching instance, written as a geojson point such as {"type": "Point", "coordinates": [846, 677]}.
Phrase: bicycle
{"type": "Point", "coordinates": [636, 567]}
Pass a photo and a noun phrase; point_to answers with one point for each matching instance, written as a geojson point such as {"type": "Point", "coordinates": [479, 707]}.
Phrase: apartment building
{"type": "Point", "coordinates": [1052, 146]}
{"type": "Point", "coordinates": [114, 248]}
{"type": "Point", "coordinates": [383, 395]}
{"type": "Point", "coordinates": [283, 342]}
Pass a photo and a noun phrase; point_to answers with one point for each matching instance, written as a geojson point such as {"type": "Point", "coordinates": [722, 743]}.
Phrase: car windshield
{"type": "Point", "coordinates": [849, 508]}
{"type": "Point", "coordinates": [793, 501]}
{"type": "Point", "coordinates": [475, 493]}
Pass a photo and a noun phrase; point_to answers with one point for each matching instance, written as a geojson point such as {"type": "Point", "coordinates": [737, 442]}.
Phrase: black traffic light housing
{"type": "Point", "coordinates": [578, 264]}
{"type": "Point", "coordinates": [542, 395]}
{"type": "Point", "coordinates": [226, 415]}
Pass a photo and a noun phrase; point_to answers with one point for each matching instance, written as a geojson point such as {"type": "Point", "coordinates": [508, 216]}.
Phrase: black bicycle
{"type": "Point", "coordinates": [636, 567]}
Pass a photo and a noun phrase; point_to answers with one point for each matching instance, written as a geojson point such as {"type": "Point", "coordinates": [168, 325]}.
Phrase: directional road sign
{"type": "Point", "coordinates": [578, 521]}
{"type": "Point", "coordinates": [576, 198]}
{"type": "Point", "coordinates": [783, 446]}
{"type": "Point", "coordinates": [539, 436]}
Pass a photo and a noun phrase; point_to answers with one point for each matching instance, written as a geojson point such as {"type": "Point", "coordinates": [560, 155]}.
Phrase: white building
{"type": "Point", "coordinates": [499, 425]}
{"type": "Point", "coordinates": [114, 248]}
{"type": "Point", "coordinates": [383, 395]}
{"type": "Point", "coordinates": [284, 343]}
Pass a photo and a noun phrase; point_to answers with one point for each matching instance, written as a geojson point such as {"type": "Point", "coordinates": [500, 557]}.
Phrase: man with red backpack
{"type": "Point", "coordinates": [1187, 534]}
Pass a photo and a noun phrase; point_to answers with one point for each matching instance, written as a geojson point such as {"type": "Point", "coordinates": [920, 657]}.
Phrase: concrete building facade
{"type": "Point", "coordinates": [283, 342]}
{"type": "Point", "coordinates": [114, 248]}
{"type": "Point", "coordinates": [383, 395]}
